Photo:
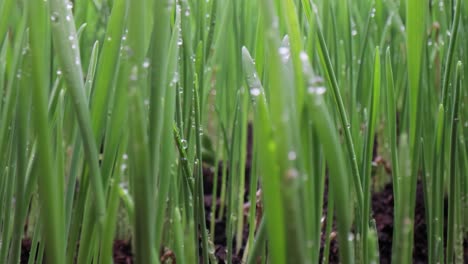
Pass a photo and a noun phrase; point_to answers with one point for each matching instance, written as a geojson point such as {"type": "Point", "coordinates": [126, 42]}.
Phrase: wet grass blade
{"type": "Point", "coordinates": [52, 207]}
{"type": "Point", "coordinates": [392, 130]}
{"type": "Point", "coordinates": [453, 224]}
{"type": "Point", "coordinates": [330, 73]}
{"type": "Point", "coordinates": [334, 155]}
{"type": "Point", "coordinates": [450, 53]}
{"type": "Point", "coordinates": [107, 69]}
{"type": "Point", "coordinates": [6, 7]}
{"type": "Point", "coordinates": [266, 149]}
{"type": "Point", "coordinates": [368, 153]}
{"type": "Point", "coordinates": [415, 28]}
{"type": "Point", "coordinates": [66, 45]}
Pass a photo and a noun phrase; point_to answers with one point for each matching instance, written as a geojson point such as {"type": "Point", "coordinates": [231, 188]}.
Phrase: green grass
{"type": "Point", "coordinates": [113, 111]}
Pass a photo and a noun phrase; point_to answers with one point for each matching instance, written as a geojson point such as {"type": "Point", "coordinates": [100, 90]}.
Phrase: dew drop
{"type": "Point", "coordinates": [284, 53]}
{"type": "Point", "coordinates": [292, 155]}
{"type": "Point", "coordinates": [255, 91]}
{"type": "Point", "coordinates": [54, 17]}
{"type": "Point", "coordinates": [146, 63]}
{"type": "Point", "coordinates": [184, 144]}
{"type": "Point", "coordinates": [319, 90]}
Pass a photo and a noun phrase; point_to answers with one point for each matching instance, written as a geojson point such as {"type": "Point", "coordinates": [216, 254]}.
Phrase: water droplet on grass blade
{"type": "Point", "coordinates": [285, 53]}
{"type": "Point", "coordinates": [146, 63]}
{"type": "Point", "coordinates": [255, 91]}
{"type": "Point", "coordinates": [184, 144]}
{"type": "Point", "coordinates": [54, 17]}
{"type": "Point", "coordinates": [319, 90]}
{"type": "Point", "coordinates": [316, 86]}
{"type": "Point", "coordinates": [292, 155]}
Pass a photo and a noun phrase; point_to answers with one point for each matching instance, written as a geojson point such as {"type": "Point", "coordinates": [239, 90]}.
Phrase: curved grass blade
{"type": "Point", "coordinates": [328, 134]}
{"type": "Point", "coordinates": [326, 61]}
{"type": "Point", "coordinates": [66, 45]}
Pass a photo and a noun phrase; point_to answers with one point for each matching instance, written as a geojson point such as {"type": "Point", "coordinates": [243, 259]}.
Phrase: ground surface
{"type": "Point", "coordinates": [382, 207]}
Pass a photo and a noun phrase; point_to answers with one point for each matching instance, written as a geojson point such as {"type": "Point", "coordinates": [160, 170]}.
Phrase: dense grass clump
{"type": "Point", "coordinates": [157, 122]}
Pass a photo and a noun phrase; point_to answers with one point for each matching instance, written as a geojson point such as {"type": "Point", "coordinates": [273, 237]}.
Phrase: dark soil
{"type": "Point", "coordinates": [122, 251]}
{"type": "Point", "coordinates": [382, 207]}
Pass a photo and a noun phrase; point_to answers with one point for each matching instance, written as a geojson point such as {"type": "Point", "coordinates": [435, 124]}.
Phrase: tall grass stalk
{"type": "Point", "coordinates": [206, 131]}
